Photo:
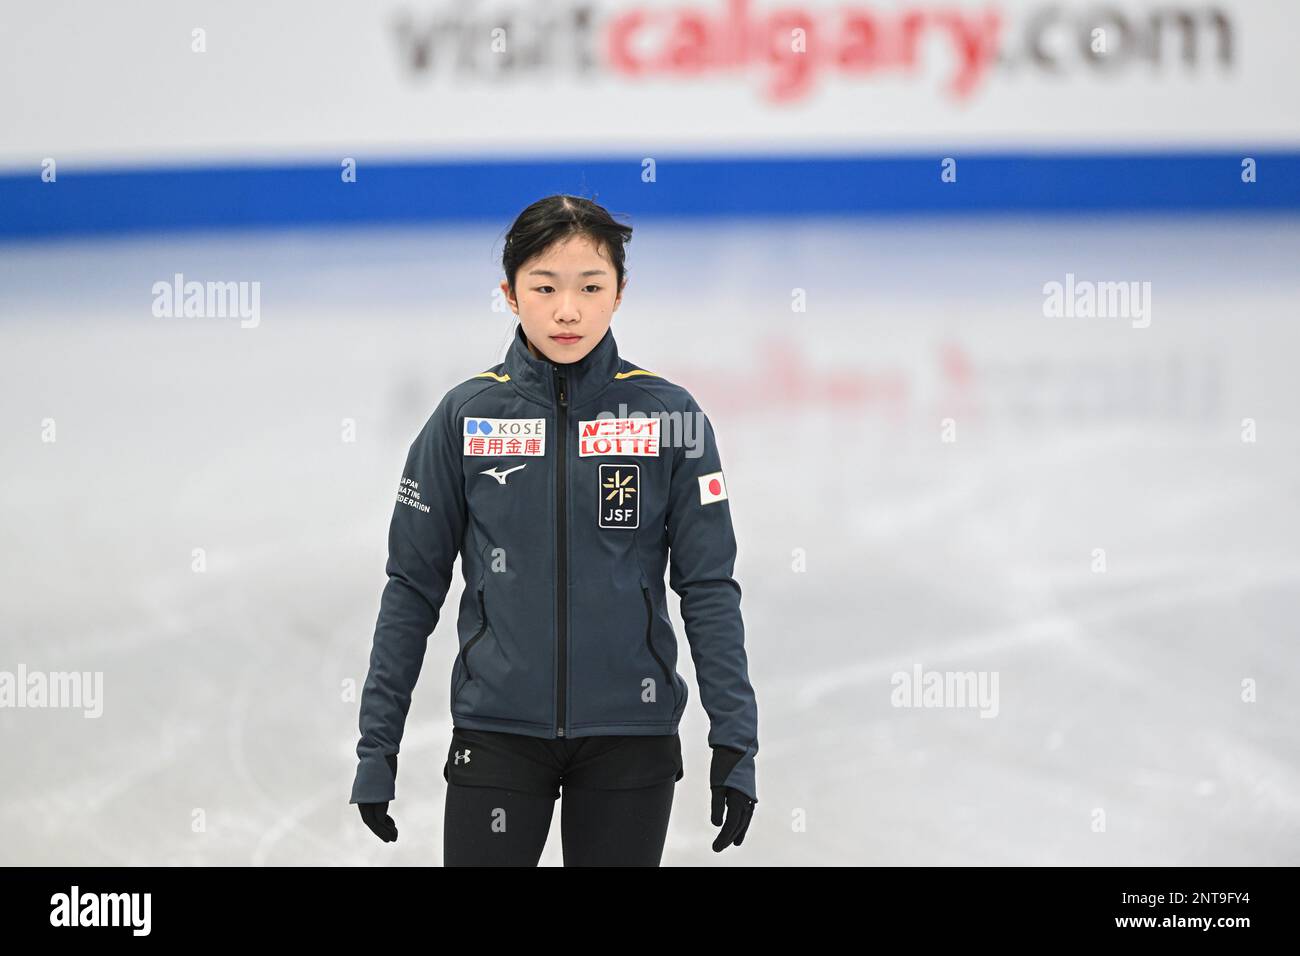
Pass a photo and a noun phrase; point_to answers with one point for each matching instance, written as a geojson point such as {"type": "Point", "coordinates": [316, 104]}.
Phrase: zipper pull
{"type": "Point", "coordinates": [563, 399]}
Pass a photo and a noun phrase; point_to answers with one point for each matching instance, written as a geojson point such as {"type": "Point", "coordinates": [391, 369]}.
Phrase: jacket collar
{"type": "Point", "coordinates": [584, 379]}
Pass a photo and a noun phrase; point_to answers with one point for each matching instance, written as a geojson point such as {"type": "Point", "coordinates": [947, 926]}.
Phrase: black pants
{"type": "Point", "coordinates": [502, 788]}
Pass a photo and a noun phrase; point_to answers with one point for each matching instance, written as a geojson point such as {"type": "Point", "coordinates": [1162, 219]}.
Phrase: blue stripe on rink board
{"type": "Point", "coordinates": [206, 197]}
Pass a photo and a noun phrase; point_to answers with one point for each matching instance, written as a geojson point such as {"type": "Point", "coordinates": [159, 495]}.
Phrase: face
{"type": "Point", "coordinates": [565, 299]}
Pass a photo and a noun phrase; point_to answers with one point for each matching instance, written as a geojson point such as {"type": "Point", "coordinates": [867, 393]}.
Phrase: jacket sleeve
{"type": "Point", "coordinates": [424, 539]}
{"type": "Point", "coordinates": [702, 557]}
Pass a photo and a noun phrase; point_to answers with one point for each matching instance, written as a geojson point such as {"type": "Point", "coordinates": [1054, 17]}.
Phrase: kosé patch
{"type": "Point", "coordinates": [619, 436]}
{"type": "Point", "coordinates": [712, 488]}
{"type": "Point", "coordinates": [501, 437]}
{"type": "Point", "coordinates": [620, 496]}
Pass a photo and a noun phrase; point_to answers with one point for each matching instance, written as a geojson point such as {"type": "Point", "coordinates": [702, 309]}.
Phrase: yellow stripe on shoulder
{"type": "Point", "coordinates": [499, 378]}
{"type": "Point", "coordinates": [636, 371]}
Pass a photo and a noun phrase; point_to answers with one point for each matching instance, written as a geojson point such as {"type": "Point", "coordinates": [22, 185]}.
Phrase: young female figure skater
{"type": "Point", "coordinates": [568, 480]}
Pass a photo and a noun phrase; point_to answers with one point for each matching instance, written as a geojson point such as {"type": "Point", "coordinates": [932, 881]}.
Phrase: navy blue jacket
{"type": "Point", "coordinates": [568, 490]}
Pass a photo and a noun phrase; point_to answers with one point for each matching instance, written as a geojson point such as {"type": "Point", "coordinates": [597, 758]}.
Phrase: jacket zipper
{"type": "Point", "coordinates": [562, 549]}
{"type": "Point", "coordinates": [649, 625]}
{"type": "Point", "coordinates": [464, 654]}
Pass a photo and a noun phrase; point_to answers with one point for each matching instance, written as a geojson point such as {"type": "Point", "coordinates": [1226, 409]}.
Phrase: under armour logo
{"type": "Point", "coordinates": [466, 750]}
{"type": "Point", "coordinates": [500, 476]}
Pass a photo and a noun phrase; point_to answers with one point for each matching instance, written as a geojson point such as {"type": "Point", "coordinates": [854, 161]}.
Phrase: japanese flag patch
{"type": "Point", "coordinates": [712, 488]}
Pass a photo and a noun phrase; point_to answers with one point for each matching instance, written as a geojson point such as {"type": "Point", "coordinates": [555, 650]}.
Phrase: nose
{"type": "Point", "coordinates": [567, 307]}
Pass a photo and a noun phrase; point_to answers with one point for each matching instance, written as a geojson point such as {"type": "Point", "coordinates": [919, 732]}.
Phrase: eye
{"type": "Point", "coordinates": [542, 288]}
{"type": "Point", "coordinates": [594, 286]}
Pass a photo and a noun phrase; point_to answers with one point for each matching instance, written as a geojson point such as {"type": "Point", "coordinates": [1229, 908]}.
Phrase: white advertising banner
{"type": "Point", "coordinates": [155, 82]}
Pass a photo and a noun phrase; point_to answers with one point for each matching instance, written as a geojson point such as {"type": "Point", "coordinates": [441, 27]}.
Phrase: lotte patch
{"type": "Point", "coordinates": [619, 436]}
{"type": "Point", "coordinates": [620, 496]}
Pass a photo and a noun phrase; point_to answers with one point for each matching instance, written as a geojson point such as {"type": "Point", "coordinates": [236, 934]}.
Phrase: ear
{"type": "Point", "coordinates": [510, 300]}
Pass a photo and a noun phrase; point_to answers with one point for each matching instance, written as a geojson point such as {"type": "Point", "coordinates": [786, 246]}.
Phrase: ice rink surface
{"type": "Point", "coordinates": [869, 544]}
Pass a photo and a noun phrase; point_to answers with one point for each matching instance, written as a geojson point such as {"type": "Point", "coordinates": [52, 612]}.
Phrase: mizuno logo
{"type": "Point", "coordinates": [500, 476]}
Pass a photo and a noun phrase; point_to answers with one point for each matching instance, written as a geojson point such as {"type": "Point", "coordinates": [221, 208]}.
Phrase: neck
{"type": "Point", "coordinates": [537, 376]}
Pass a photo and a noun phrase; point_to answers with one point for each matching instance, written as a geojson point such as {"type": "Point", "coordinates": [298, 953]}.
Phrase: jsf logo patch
{"type": "Point", "coordinates": [497, 437]}
{"type": "Point", "coordinates": [619, 436]}
{"type": "Point", "coordinates": [620, 496]}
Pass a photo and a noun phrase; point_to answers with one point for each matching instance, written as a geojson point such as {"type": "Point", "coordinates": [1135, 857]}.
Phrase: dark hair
{"type": "Point", "coordinates": [555, 219]}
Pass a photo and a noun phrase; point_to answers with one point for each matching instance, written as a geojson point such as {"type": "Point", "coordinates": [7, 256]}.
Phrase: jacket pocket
{"type": "Point", "coordinates": [469, 645]}
{"type": "Point", "coordinates": [650, 645]}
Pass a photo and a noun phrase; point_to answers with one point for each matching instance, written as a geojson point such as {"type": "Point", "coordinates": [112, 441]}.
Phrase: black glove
{"type": "Point", "coordinates": [739, 807]}
{"type": "Point", "coordinates": [376, 815]}
{"type": "Point", "coordinates": [377, 818]}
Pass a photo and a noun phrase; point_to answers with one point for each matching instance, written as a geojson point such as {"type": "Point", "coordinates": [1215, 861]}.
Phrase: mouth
{"type": "Point", "coordinates": [565, 339]}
